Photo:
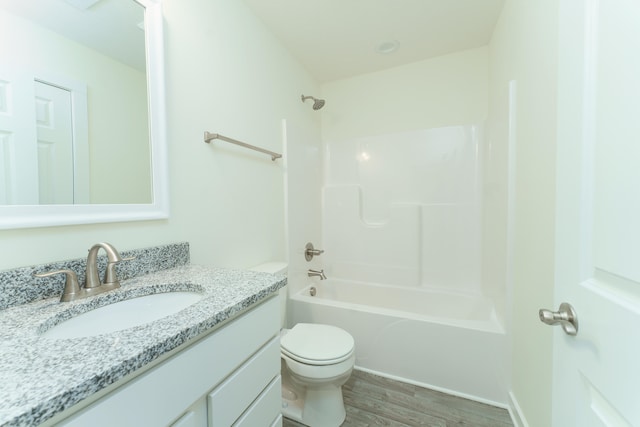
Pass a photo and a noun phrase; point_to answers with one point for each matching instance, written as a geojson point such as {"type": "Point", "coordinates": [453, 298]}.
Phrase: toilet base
{"type": "Point", "coordinates": [292, 404]}
{"type": "Point", "coordinates": [314, 407]}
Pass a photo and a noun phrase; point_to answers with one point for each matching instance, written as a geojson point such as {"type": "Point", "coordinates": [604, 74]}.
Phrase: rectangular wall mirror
{"type": "Point", "coordinates": [82, 115]}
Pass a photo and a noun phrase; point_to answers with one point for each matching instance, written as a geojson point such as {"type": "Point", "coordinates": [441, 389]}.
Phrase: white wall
{"type": "Point", "coordinates": [226, 74]}
{"type": "Point", "coordinates": [447, 90]}
{"type": "Point", "coordinates": [524, 49]}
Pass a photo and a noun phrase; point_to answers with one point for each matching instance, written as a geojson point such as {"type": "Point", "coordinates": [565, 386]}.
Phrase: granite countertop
{"type": "Point", "coordinates": [40, 377]}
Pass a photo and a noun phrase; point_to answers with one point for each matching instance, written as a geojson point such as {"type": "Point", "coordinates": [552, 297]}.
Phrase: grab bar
{"type": "Point", "coordinates": [208, 136]}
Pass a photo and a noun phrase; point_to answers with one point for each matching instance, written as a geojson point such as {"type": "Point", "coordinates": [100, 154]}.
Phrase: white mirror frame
{"type": "Point", "coordinates": [53, 215]}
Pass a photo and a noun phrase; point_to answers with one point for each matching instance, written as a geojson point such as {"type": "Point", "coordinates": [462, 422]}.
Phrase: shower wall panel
{"type": "Point", "coordinates": [378, 252]}
{"type": "Point", "coordinates": [404, 209]}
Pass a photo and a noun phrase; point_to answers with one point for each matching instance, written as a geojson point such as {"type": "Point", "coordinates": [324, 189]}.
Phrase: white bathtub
{"type": "Point", "coordinates": [450, 342]}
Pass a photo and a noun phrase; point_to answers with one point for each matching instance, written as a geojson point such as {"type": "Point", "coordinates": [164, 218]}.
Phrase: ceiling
{"type": "Point", "coordinates": [335, 39]}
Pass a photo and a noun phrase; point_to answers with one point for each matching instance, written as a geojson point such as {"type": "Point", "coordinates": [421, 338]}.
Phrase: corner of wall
{"type": "Point", "coordinates": [515, 54]}
{"type": "Point", "coordinates": [515, 412]}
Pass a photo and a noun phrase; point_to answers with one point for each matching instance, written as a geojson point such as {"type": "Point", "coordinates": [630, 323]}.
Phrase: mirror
{"type": "Point", "coordinates": [96, 95]}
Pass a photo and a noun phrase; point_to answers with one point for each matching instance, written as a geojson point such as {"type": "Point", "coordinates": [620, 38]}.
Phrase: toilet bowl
{"type": "Point", "coordinates": [316, 361]}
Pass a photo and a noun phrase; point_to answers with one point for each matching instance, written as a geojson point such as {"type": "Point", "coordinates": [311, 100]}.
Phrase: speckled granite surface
{"type": "Point", "coordinates": [19, 286]}
{"type": "Point", "coordinates": [40, 377]}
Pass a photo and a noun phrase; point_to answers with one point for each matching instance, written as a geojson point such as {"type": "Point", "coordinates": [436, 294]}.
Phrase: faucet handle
{"type": "Point", "coordinates": [71, 286]}
{"type": "Point", "coordinates": [310, 251]}
{"type": "Point", "coordinates": [110, 277]}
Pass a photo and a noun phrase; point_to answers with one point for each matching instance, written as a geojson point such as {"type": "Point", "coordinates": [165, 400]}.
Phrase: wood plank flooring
{"type": "Point", "coordinates": [371, 400]}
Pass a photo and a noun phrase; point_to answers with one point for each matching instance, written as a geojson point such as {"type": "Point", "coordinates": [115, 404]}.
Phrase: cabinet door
{"type": "Point", "coordinates": [196, 416]}
{"type": "Point", "coordinates": [266, 409]}
{"type": "Point", "coordinates": [190, 419]}
{"type": "Point", "coordinates": [228, 401]}
{"type": "Point", "coordinates": [277, 422]}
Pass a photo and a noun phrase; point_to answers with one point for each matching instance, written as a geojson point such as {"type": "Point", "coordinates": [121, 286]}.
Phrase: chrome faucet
{"type": "Point", "coordinates": [320, 274]}
{"type": "Point", "coordinates": [93, 286]}
{"type": "Point", "coordinates": [110, 278]}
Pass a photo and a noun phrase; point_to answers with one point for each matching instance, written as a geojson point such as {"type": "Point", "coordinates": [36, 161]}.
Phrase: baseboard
{"type": "Point", "coordinates": [436, 388]}
{"type": "Point", "coordinates": [516, 412]}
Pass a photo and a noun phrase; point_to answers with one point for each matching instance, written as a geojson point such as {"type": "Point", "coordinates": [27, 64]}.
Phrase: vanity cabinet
{"type": "Point", "coordinates": [229, 377]}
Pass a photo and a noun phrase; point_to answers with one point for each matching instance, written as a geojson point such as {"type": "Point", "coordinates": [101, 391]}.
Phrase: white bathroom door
{"type": "Point", "coordinates": [18, 150]}
{"type": "Point", "coordinates": [54, 123]}
{"type": "Point", "coordinates": [597, 372]}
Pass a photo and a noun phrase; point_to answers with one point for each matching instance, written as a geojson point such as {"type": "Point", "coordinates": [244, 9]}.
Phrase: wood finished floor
{"type": "Point", "coordinates": [371, 400]}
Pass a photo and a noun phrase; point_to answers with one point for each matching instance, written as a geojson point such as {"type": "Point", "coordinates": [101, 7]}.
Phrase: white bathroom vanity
{"type": "Point", "coordinates": [214, 363]}
{"type": "Point", "coordinates": [231, 376]}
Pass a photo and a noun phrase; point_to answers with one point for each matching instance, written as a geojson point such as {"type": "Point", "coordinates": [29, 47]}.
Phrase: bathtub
{"type": "Point", "coordinates": [444, 341]}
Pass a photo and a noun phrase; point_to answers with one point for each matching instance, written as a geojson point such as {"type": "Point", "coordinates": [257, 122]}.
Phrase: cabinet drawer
{"type": "Point", "coordinates": [277, 422]}
{"type": "Point", "coordinates": [190, 419]}
{"type": "Point", "coordinates": [195, 416]}
{"type": "Point", "coordinates": [229, 400]}
{"type": "Point", "coordinates": [164, 392]}
{"type": "Point", "coordinates": [266, 409]}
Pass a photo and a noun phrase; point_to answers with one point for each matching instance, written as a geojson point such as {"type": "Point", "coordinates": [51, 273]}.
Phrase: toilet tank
{"type": "Point", "coordinates": [280, 268]}
{"type": "Point", "coordinates": [273, 267]}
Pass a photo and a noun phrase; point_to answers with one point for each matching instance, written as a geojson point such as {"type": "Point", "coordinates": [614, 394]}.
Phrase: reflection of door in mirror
{"type": "Point", "coordinates": [42, 142]}
{"type": "Point", "coordinates": [102, 46]}
{"type": "Point", "coordinates": [57, 147]}
{"type": "Point", "coordinates": [55, 144]}
{"type": "Point", "coordinates": [18, 182]}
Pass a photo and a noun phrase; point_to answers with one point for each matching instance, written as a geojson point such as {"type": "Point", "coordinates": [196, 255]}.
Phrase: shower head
{"type": "Point", "coordinates": [317, 103]}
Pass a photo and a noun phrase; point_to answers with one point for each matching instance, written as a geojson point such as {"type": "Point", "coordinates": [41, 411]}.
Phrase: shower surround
{"type": "Point", "coordinates": [402, 234]}
{"type": "Point", "coordinates": [405, 209]}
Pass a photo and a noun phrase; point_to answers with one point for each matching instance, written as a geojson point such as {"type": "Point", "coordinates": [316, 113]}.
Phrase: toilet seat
{"type": "Point", "coordinates": [315, 344]}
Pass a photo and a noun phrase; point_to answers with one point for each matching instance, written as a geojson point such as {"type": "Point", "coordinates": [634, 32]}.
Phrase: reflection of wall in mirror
{"type": "Point", "coordinates": [120, 170]}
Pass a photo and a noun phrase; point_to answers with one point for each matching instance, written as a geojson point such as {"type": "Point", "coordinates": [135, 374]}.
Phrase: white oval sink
{"type": "Point", "coordinates": [123, 315]}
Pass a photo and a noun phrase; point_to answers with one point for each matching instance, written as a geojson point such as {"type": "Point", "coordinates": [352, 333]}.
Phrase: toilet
{"type": "Point", "coordinates": [316, 361]}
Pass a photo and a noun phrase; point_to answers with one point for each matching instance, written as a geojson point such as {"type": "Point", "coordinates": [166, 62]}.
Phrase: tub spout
{"type": "Point", "coordinates": [320, 274]}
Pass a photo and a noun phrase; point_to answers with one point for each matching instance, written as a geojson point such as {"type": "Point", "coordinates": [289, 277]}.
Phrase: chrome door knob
{"type": "Point", "coordinates": [565, 316]}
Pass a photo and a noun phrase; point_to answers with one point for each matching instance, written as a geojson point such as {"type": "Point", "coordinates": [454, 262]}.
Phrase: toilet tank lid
{"type": "Point", "coordinates": [273, 267]}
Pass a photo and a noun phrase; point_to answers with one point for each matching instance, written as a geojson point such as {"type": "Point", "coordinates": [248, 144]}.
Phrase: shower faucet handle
{"type": "Point", "coordinates": [310, 252]}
